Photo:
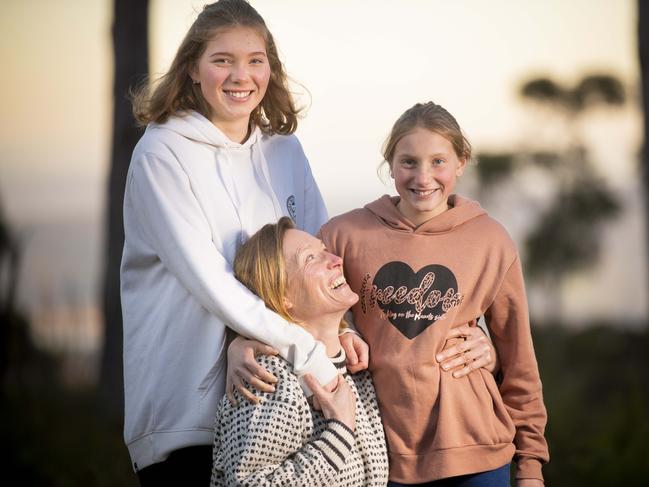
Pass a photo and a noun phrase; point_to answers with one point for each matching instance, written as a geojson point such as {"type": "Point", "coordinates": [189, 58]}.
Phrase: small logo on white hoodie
{"type": "Point", "coordinates": [290, 206]}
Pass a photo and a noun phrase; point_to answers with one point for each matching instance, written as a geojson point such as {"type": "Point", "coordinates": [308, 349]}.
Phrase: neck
{"type": "Point", "coordinates": [419, 218]}
{"type": "Point", "coordinates": [325, 329]}
{"type": "Point", "coordinates": [238, 131]}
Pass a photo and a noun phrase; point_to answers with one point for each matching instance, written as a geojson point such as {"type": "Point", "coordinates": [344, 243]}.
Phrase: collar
{"type": "Point", "coordinates": [339, 360]}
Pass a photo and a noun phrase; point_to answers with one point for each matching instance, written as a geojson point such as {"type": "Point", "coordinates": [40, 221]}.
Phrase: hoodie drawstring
{"type": "Point", "coordinates": [260, 167]}
{"type": "Point", "coordinates": [263, 165]}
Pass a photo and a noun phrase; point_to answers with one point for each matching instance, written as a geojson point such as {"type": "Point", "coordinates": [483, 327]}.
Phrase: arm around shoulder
{"type": "Point", "coordinates": [161, 206]}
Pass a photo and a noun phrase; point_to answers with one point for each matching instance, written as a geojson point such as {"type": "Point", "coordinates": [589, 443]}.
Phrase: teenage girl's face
{"type": "Point", "coordinates": [425, 169]}
{"type": "Point", "coordinates": [233, 73]}
{"type": "Point", "coordinates": [316, 284]}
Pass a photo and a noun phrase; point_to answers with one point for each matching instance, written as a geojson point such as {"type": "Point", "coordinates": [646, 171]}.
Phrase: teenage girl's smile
{"type": "Point", "coordinates": [233, 73]}
{"type": "Point", "coordinates": [425, 168]}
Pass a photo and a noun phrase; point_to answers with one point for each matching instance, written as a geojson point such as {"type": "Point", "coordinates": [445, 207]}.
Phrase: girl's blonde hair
{"type": "Point", "coordinates": [175, 91]}
{"type": "Point", "coordinates": [432, 117]}
{"type": "Point", "coordinates": [259, 265]}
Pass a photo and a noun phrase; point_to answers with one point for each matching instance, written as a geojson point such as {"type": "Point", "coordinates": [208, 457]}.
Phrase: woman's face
{"type": "Point", "coordinates": [316, 284]}
{"type": "Point", "coordinates": [233, 73]}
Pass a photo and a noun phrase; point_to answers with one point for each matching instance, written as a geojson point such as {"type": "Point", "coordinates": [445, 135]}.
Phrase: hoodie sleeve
{"type": "Point", "coordinates": [160, 197]}
{"type": "Point", "coordinates": [508, 322]}
{"type": "Point", "coordinates": [315, 211]}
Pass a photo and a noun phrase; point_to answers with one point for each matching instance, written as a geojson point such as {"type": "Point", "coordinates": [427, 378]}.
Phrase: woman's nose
{"type": "Point", "coordinates": [334, 260]}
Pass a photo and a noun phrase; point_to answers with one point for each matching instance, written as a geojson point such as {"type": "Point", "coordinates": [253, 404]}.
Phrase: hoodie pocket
{"type": "Point", "coordinates": [472, 412]}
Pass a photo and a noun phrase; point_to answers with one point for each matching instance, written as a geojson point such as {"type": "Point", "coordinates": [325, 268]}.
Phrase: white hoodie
{"type": "Point", "coordinates": [184, 218]}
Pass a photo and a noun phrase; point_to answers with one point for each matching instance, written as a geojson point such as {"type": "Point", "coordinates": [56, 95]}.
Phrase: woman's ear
{"type": "Point", "coordinates": [287, 304]}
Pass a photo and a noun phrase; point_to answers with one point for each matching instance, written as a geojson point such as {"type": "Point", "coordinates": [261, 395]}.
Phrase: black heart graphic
{"type": "Point", "coordinates": [414, 301]}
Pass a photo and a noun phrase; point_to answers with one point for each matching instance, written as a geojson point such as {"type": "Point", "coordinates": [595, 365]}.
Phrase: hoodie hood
{"type": "Point", "coordinates": [194, 126]}
{"type": "Point", "coordinates": [461, 210]}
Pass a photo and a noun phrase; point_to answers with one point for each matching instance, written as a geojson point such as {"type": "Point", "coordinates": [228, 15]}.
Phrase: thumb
{"type": "Point", "coordinates": [263, 349]}
{"type": "Point", "coordinates": [314, 385]}
{"type": "Point", "coordinates": [350, 352]}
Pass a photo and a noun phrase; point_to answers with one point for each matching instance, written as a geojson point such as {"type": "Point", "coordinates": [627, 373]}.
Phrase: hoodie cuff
{"type": "Point", "coordinates": [319, 366]}
{"type": "Point", "coordinates": [528, 468]}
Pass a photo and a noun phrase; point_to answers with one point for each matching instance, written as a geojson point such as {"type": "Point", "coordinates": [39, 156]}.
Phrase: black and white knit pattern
{"type": "Point", "coordinates": [282, 441]}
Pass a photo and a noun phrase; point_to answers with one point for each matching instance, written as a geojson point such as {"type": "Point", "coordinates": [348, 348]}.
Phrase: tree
{"type": "Point", "coordinates": [130, 47]}
{"type": "Point", "coordinates": [643, 50]}
{"type": "Point", "coordinates": [566, 236]}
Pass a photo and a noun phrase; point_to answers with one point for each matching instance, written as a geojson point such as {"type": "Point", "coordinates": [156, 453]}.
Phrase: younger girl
{"type": "Point", "coordinates": [423, 263]}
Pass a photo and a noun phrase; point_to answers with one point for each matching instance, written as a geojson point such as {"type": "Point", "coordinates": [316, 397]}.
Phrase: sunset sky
{"type": "Point", "coordinates": [363, 62]}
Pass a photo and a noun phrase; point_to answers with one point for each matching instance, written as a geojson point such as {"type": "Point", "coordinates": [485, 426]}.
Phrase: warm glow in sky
{"type": "Point", "coordinates": [363, 62]}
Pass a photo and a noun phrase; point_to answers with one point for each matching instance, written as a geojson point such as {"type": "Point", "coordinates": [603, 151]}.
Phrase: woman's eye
{"type": "Point", "coordinates": [309, 258]}
{"type": "Point", "coordinates": [221, 61]}
{"type": "Point", "coordinates": [438, 161]}
{"type": "Point", "coordinates": [257, 61]}
{"type": "Point", "coordinates": [409, 162]}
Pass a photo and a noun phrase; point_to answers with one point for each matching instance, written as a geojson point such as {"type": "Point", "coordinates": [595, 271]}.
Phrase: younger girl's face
{"type": "Point", "coordinates": [233, 73]}
{"type": "Point", "coordinates": [425, 169]}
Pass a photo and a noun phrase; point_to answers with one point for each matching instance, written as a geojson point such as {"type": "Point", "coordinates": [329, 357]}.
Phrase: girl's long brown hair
{"type": "Point", "coordinates": [175, 92]}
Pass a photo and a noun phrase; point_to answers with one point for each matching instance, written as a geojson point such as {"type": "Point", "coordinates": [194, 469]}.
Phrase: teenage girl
{"type": "Point", "coordinates": [423, 263]}
{"type": "Point", "coordinates": [217, 161]}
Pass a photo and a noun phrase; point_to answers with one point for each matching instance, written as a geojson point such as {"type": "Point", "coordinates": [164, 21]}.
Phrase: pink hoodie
{"type": "Point", "coordinates": [415, 284]}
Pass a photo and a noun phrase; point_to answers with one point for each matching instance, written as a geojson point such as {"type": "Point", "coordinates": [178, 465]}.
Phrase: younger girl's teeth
{"type": "Point", "coordinates": [424, 193]}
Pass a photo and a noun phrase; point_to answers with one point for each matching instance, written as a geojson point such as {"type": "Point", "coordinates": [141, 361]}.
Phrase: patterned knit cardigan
{"type": "Point", "coordinates": [283, 441]}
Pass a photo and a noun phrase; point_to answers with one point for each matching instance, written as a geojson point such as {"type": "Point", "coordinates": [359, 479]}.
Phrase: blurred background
{"type": "Point", "coordinates": [549, 92]}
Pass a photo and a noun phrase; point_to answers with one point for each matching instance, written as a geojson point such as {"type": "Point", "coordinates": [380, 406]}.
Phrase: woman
{"type": "Point", "coordinates": [217, 161]}
{"type": "Point", "coordinates": [281, 440]}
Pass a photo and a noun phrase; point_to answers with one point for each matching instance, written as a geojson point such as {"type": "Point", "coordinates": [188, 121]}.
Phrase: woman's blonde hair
{"type": "Point", "coordinates": [175, 91]}
{"type": "Point", "coordinates": [432, 117]}
{"type": "Point", "coordinates": [260, 266]}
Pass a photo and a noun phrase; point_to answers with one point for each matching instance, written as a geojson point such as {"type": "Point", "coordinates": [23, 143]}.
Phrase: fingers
{"type": "Point", "coordinates": [356, 368]}
{"type": "Point", "coordinates": [460, 331]}
{"type": "Point", "coordinates": [258, 384]}
{"type": "Point", "coordinates": [477, 342]}
{"type": "Point", "coordinates": [362, 351]}
{"type": "Point", "coordinates": [357, 352]}
{"type": "Point", "coordinates": [331, 385]}
{"type": "Point", "coordinates": [263, 349]}
{"type": "Point", "coordinates": [453, 351]}
{"type": "Point", "coordinates": [347, 342]}
{"type": "Point", "coordinates": [247, 395]}
{"type": "Point", "coordinates": [469, 361]}
{"type": "Point", "coordinates": [241, 388]}
{"type": "Point", "coordinates": [229, 388]}
{"type": "Point", "coordinates": [255, 371]}
{"type": "Point", "coordinates": [315, 386]}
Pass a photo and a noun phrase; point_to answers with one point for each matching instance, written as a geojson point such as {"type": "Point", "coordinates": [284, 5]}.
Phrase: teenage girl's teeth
{"type": "Point", "coordinates": [423, 193]}
{"type": "Point", "coordinates": [338, 282]}
{"type": "Point", "coordinates": [239, 94]}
